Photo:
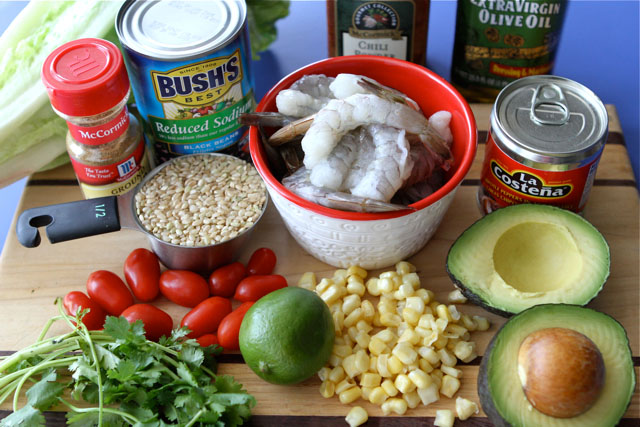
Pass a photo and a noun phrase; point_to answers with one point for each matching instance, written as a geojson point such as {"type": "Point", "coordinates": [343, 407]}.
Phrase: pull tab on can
{"type": "Point", "coordinates": [549, 106]}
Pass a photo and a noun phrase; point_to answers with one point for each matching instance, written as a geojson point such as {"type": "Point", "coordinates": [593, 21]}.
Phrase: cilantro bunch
{"type": "Point", "coordinates": [127, 379]}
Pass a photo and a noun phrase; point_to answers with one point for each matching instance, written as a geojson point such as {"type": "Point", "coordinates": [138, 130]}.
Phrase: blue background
{"type": "Point", "coordinates": [599, 47]}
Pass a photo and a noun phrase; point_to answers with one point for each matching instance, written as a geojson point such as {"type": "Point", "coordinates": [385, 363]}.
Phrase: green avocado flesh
{"type": "Point", "coordinates": [524, 255]}
{"type": "Point", "coordinates": [499, 385]}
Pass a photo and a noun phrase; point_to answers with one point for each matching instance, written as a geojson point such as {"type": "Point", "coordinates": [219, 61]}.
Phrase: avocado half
{"type": "Point", "coordinates": [499, 384]}
{"type": "Point", "coordinates": [524, 255]}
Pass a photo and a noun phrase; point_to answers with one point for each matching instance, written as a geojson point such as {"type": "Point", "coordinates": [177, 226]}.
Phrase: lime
{"type": "Point", "coordinates": [287, 335]}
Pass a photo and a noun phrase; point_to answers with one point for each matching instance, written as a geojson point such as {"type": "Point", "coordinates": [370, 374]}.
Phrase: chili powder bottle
{"type": "Point", "coordinates": [393, 28]}
{"type": "Point", "coordinates": [88, 86]}
{"type": "Point", "coordinates": [497, 43]}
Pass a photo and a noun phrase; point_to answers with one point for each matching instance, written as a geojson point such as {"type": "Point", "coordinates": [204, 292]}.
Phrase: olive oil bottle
{"type": "Point", "coordinates": [497, 42]}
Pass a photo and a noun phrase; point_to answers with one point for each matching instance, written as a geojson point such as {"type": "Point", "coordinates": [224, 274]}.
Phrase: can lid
{"type": "Point", "coordinates": [549, 119]}
{"type": "Point", "coordinates": [170, 30]}
{"type": "Point", "coordinates": [85, 77]}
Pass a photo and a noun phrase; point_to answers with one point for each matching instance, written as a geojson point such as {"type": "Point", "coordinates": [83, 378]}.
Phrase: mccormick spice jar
{"type": "Point", "coordinates": [88, 86]}
{"type": "Point", "coordinates": [547, 135]}
{"type": "Point", "coordinates": [497, 42]}
{"type": "Point", "coordinates": [189, 68]}
{"type": "Point", "coordinates": [393, 28]}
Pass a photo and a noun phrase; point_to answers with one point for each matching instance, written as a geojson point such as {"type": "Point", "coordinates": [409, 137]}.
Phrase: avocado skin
{"type": "Point", "coordinates": [477, 300]}
{"type": "Point", "coordinates": [484, 390]}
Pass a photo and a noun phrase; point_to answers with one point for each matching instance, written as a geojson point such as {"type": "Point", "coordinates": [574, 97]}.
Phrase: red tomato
{"type": "Point", "coordinates": [229, 328]}
{"type": "Point", "coordinates": [205, 317]}
{"type": "Point", "coordinates": [76, 301]}
{"type": "Point", "coordinates": [156, 322]}
{"type": "Point", "coordinates": [109, 291]}
{"type": "Point", "coordinates": [207, 339]}
{"type": "Point", "coordinates": [224, 280]}
{"type": "Point", "coordinates": [183, 287]}
{"type": "Point", "coordinates": [252, 288]}
{"type": "Point", "coordinates": [262, 262]}
{"type": "Point", "coordinates": [142, 272]}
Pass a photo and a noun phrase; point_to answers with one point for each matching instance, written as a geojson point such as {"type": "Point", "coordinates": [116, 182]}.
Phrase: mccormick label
{"type": "Point", "coordinates": [505, 182]}
{"type": "Point", "coordinates": [101, 134]}
{"type": "Point", "coordinates": [497, 42]}
{"type": "Point", "coordinates": [113, 179]}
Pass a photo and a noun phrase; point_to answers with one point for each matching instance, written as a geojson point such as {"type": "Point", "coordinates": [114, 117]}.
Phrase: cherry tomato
{"type": "Point", "coordinates": [205, 317]}
{"type": "Point", "coordinates": [156, 322]}
{"type": "Point", "coordinates": [207, 339]}
{"type": "Point", "coordinates": [262, 262]}
{"type": "Point", "coordinates": [252, 288]}
{"type": "Point", "coordinates": [109, 291]}
{"type": "Point", "coordinates": [183, 287]}
{"type": "Point", "coordinates": [224, 280]}
{"type": "Point", "coordinates": [142, 272]}
{"type": "Point", "coordinates": [229, 328]}
{"type": "Point", "coordinates": [76, 301]}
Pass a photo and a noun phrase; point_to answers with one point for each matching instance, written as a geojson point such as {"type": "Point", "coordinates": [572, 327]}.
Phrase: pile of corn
{"type": "Point", "coordinates": [399, 355]}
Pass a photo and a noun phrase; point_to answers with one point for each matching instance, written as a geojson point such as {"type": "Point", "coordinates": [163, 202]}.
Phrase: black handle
{"type": "Point", "coordinates": [68, 221]}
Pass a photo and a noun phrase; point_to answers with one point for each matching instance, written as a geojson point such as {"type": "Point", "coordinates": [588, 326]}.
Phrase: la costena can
{"type": "Point", "coordinates": [188, 62]}
{"type": "Point", "coordinates": [547, 135]}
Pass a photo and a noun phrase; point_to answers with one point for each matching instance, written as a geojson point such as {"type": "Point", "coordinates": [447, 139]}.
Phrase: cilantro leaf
{"type": "Point", "coordinates": [43, 394]}
{"type": "Point", "coordinates": [27, 416]}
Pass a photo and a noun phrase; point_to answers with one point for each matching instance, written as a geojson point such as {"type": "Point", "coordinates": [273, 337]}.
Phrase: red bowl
{"type": "Point", "coordinates": [430, 91]}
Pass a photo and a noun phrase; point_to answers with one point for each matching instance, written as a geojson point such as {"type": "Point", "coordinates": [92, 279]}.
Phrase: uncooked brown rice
{"type": "Point", "coordinates": [201, 200]}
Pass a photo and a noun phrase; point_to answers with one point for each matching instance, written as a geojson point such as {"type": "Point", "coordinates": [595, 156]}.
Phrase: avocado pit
{"type": "Point", "coordinates": [562, 371]}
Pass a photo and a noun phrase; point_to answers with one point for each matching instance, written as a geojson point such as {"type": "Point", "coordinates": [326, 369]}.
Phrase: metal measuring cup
{"type": "Point", "coordinates": [83, 218]}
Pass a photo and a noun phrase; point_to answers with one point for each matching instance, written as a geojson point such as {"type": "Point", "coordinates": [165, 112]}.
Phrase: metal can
{"type": "Point", "coordinates": [547, 135]}
{"type": "Point", "coordinates": [188, 63]}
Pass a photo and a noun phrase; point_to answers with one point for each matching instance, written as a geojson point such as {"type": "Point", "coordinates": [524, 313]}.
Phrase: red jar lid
{"type": "Point", "coordinates": [85, 77]}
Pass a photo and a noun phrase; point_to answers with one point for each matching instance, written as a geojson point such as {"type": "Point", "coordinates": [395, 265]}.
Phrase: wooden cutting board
{"type": "Point", "coordinates": [30, 280]}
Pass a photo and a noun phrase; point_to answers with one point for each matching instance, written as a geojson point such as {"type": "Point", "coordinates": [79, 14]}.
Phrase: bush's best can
{"type": "Point", "coordinates": [189, 69]}
{"type": "Point", "coordinates": [547, 136]}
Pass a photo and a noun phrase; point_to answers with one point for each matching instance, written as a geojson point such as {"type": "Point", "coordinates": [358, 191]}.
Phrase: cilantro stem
{"type": "Point", "coordinates": [130, 418]}
{"type": "Point", "coordinates": [195, 418]}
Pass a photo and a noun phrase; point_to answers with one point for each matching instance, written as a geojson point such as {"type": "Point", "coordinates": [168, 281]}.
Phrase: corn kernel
{"type": "Point", "coordinates": [386, 335]}
{"type": "Point", "coordinates": [323, 373]}
{"type": "Point", "coordinates": [410, 316]}
{"type": "Point", "coordinates": [340, 275]}
{"type": "Point", "coordinates": [386, 306]}
{"type": "Point", "coordinates": [377, 396]}
{"type": "Point", "coordinates": [423, 294]}
{"type": "Point", "coordinates": [416, 304]}
{"type": "Point", "coordinates": [327, 389]}
{"type": "Point", "coordinates": [426, 321]}
{"type": "Point", "coordinates": [335, 361]}
{"type": "Point", "coordinates": [443, 312]}
{"type": "Point", "coordinates": [349, 365]}
{"type": "Point", "coordinates": [433, 305]}
{"type": "Point", "coordinates": [425, 365]}
{"type": "Point", "coordinates": [446, 357]}
{"type": "Point", "coordinates": [395, 405]}
{"type": "Point", "coordinates": [455, 314]}
{"type": "Point", "coordinates": [357, 271]}
{"type": "Point", "coordinates": [350, 395]}
{"type": "Point", "coordinates": [342, 350]}
{"type": "Point", "coordinates": [324, 285]}
{"type": "Point", "coordinates": [343, 385]}
{"type": "Point", "coordinates": [390, 320]}
{"type": "Point", "coordinates": [456, 297]}
{"type": "Point", "coordinates": [389, 388]}
{"type": "Point", "coordinates": [355, 286]}
{"type": "Point", "coordinates": [430, 339]}
{"type": "Point", "coordinates": [423, 332]}
{"type": "Point", "coordinates": [420, 378]}
{"type": "Point", "coordinates": [482, 322]}
{"type": "Point", "coordinates": [382, 365]}
{"type": "Point", "coordinates": [465, 351]}
{"type": "Point", "coordinates": [465, 408]}
{"type": "Point", "coordinates": [373, 364]}
{"type": "Point", "coordinates": [376, 320]}
{"type": "Point", "coordinates": [412, 280]}
{"type": "Point", "coordinates": [404, 384]}
{"type": "Point", "coordinates": [363, 339]}
{"type": "Point", "coordinates": [370, 379]}
{"type": "Point", "coordinates": [336, 374]}
{"type": "Point", "coordinates": [437, 373]}
{"type": "Point", "coordinates": [352, 333]}
{"type": "Point", "coordinates": [366, 391]}
{"type": "Point", "coordinates": [385, 285]}
{"type": "Point", "coordinates": [338, 322]}
{"type": "Point", "coordinates": [406, 290]}
{"type": "Point", "coordinates": [308, 281]}
{"type": "Point", "coordinates": [390, 274]}
{"type": "Point", "coordinates": [404, 267]}
{"type": "Point", "coordinates": [455, 331]}
{"type": "Point", "coordinates": [402, 328]}
{"type": "Point", "coordinates": [400, 306]}
{"type": "Point", "coordinates": [440, 342]}
{"type": "Point", "coordinates": [377, 346]}
{"type": "Point", "coordinates": [395, 365]}
{"type": "Point", "coordinates": [368, 311]}
{"type": "Point", "coordinates": [410, 336]}
{"type": "Point", "coordinates": [362, 361]}
{"type": "Point", "coordinates": [350, 303]}
{"type": "Point", "coordinates": [373, 287]}
{"type": "Point", "coordinates": [412, 399]}
{"type": "Point", "coordinates": [405, 353]}
{"type": "Point", "coordinates": [363, 326]}
{"type": "Point", "coordinates": [449, 386]}
{"type": "Point", "coordinates": [429, 394]}
{"type": "Point", "coordinates": [448, 370]}
{"type": "Point", "coordinates": [468, 323]}
{"type": "Point", "coordinates": [348, 341]}
{"type": "Point", "coordinates": [356, 416]}
{"type": "Point", "coordinates": [440, 325]}
{"type": "Point", "coordinates": [444, 418]}
{"type": "Point", "coordinates": [353, 317]}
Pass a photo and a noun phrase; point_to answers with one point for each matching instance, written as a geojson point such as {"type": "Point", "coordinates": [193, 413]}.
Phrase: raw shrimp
{"type": "Point", "coordinates": [340, 116]}
{"type": "Point", "coordinates": [332, 171]}
{"type": "Point", "coordinates": [299, 184]}
{"type": "Point", "coordinates": [346, 85]}
{"type": "Point", "coordinates": [306, 96]}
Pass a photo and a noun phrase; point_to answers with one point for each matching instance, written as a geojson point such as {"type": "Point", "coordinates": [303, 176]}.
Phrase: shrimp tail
{"type": "Point", "coordinates": [291, 131]}
{"type": "Point", "coordinates": [266, 119]}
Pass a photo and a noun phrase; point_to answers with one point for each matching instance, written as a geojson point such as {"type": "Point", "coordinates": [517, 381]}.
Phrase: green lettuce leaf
{"type": "Point", "coordinates": [262, 16]}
